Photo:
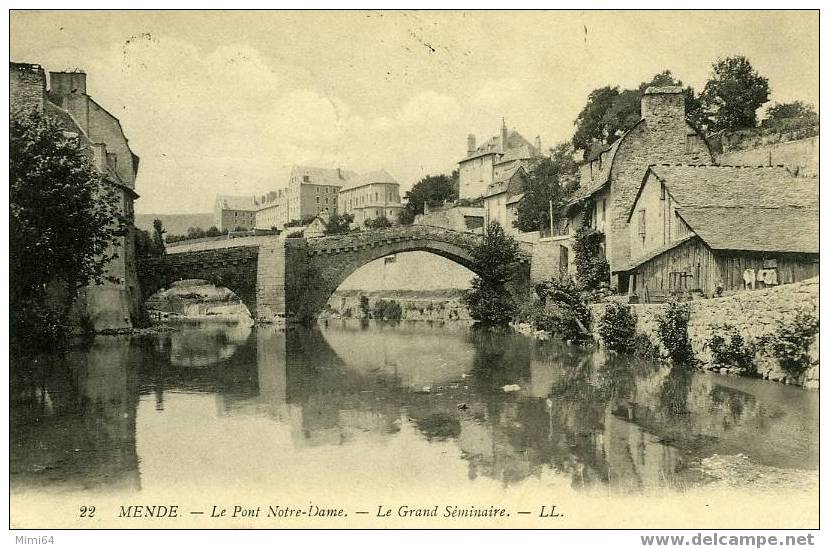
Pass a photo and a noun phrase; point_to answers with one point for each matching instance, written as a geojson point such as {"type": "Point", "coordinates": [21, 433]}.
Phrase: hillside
{"type": "Point", "coordinates": [175, 223]}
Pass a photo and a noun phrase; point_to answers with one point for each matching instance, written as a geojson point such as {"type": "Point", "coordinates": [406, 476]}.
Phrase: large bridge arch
{"type": "Point", "coordinates": [315, 268]}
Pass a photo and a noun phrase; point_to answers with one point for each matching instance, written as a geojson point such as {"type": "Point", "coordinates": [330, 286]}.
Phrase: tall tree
{"type": "Point", "coordinates": [489, 301]}
{"type": "Point", "coordinates": [158, 236]}
{"type": "Point", "coordinates": [591, 123]}
{"type": "Point", "coordinates": [551, 179]}
{"type": "Point", "coordinates": [65, 223]}
{"type": "Point", "coordinates": [733, 94]}
{"type": "Point", "coordinates": [432, 190]}
{"type": "Point", "coordinates": [788, 111]}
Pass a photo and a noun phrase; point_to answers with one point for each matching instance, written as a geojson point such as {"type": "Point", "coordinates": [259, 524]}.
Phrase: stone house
{"type": "Point", "coordinates": [608, 183]}
{"type": "Point", "coordinates": [118, 303]}
{"type": "Point", "coordinates": [312, 191]}
{"type": "Point", "coordinates": [370, 196]}
{"type": "Point", "coordinates": [502, 198]}
{"type": "Point", "coordinates": [272, 211]}
{"type": "Point", "coordinates": [485, 164]}
{"type": "Point", "coordinates": [235, 212]}
{"type": "Point", "coordinates": [454, 217]}
{"type": "Point", "coordinates": [714, 229]}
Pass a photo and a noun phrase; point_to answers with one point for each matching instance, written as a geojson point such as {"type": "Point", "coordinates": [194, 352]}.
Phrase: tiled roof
{"type": "Point", "coordinates": [593, 185]}
{"type": "Point", "coordinates": [231, 202]}
{"type": "Point", "coordinates": [745, 208]}
{"type": "Point", "coordinates": [514, 141]}
{"type": "Point", "coordinates": [322, 176]}
{"type": "Point", "coordinates": [378, 176]}
{"type": "Point", "coordinates": [502, 183]}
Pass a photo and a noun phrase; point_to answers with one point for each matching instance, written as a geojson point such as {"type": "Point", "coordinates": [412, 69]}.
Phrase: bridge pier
{"type": "Point", "coordinates": [270, 281]}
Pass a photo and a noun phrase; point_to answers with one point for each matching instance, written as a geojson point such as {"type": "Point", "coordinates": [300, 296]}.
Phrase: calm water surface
{"type": "Point", "coordinates": [384, 407]}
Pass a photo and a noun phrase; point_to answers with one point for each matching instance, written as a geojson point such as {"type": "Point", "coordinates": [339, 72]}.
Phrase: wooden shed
{"type": "Point", "coordinates": [722, 229]}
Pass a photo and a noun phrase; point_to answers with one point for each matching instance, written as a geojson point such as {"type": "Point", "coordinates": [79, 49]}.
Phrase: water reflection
{"type": "Point", "coordinates": [215, 402]}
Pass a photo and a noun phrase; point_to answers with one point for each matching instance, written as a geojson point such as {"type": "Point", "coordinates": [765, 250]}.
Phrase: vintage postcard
{"type": "Point", "coordinates": [414, 270]}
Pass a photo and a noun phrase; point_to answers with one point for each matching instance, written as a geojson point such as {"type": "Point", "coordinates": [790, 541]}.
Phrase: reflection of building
{"type": "Point", "coordinates": [371, 196]}
{"type": "Point", "coordinates": [488, 163]}
{"type": "Point", "coordinates": [117, 301]}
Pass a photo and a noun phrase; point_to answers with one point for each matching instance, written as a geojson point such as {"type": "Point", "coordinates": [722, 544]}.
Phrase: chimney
{"type": "Point", "coordinates": [504, 135]}
{"type": "Point", "coordinates": [27, 87]}
{"type": "Point", "coordinates": [538, 144]}
{"type": "Point", "coordinates": [470, 144]}
{"type": "Point", "coordinates": [67, 82]}
{"type": "Point", "coordinates": [339, 174]}
{"type": "Point", "coordinates": [665, 103]}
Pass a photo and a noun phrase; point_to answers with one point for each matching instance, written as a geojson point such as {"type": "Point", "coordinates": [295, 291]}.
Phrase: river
{"type": "Point", "coordinates": [394, 413]}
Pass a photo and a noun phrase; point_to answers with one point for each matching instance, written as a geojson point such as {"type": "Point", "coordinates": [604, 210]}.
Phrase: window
{"type": "Point", "coordinates": [306, 179]}
{"type": "Point", "coordinates": [318, 200]}
{"type": "Point", "coordinates": [326, 200]}
{"type": "Point", "coordinates": [661, 191]}
{"type": "Point", "coordinates": [317, 189]}
{"type": "Point", "coordinates": [642, 225]}
{"type": "Point", "coordinates": [604, 209]}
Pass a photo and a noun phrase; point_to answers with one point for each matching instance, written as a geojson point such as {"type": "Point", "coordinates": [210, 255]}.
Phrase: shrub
{"type": "Point", "coordinates": [381, 222]}
{"type": "Point", "coordinates": [564, 313]}
{"type": "Point", "coordinates": [672, 328]}
{"type": "Point", "coordinates": [489, 303]}
{"type": "Point", "coordinates": [617, 328]}
{"type": "Point", "coordinates": [789, 342]}
{"type": "Point", "coordinates": [364, 307]}
{"type": "Point", "coordinates": [645, 347]}
{"type": "Point", "coordinates": [387, 310]}
{"type": "Point", "coordinates": [295, 234]}
{"type": "Point", "coordinates": [729, 348]}
{"type": "Point", "coordinates": [592, 269]}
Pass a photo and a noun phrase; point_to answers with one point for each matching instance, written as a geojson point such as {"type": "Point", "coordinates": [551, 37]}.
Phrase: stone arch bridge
{"type": "Point", "coordinates": [293, 278]}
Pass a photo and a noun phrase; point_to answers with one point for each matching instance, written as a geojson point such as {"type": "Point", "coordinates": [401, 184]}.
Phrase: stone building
{"type": "Point", "coordinates": [235, 212]}
{"type": "Point", "coordinates": [710, 229]}
{"type": "Point", "coordinates": [609, 181]}
{"type": "Point", "coordinates": [313, 191]}
{"type": "Point", "coordinates": [485, 164]}
{"type": "Point", "coordinates": [451, 216]}
{"type": "Point", "coordinates": [502, 198]}
{"type": "Point", "coordinates": [370, 196]}
{"type": "Point", "coordinates": [116, 303]}
{"type": "Point", "coordinates": [272, 211]}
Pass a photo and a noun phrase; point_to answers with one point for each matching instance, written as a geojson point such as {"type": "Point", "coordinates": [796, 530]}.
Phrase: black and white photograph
{"type": "Point", "coordinates": [414, 270]}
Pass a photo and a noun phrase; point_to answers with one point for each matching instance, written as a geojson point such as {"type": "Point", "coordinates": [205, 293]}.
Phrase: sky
{"type": "Point", "coordinates": [225, 102]}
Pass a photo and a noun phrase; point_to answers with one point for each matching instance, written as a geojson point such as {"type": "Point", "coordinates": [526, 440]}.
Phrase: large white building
{"type": "Point", "coordinates": [370, 196]}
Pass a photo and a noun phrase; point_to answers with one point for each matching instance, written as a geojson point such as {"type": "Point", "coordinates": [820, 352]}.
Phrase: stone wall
{"type": "Point", "coordinates": [753, 313]}
{"type": "Point", "coordinates": [800, 156]}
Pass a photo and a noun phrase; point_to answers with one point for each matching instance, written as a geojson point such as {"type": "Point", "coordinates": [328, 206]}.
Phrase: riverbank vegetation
{"type": "Point", "coordinates": [489, 300]}
{"type": "Point", "coordinates": [65, 224]}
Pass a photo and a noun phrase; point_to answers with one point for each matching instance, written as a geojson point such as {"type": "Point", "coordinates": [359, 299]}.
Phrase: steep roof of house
{"type": "Point", "coordinates": [764, 209]}
{"type": "Point", "coordinates": [515, 142]}
{"type": "Point", "coordinates": [502, 182]}
{"type": "Point", "coordinates": [323, 176]}
{"type": "Point", "coordinates": [235, 202]}
{"type": "Point", "coordinates": [360, 180]}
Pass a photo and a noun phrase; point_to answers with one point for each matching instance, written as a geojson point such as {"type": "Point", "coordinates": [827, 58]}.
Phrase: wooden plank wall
{"type": "Point", "coordinates": [790, 267]}
{"type": "Point", "coordinates": [692, 257]}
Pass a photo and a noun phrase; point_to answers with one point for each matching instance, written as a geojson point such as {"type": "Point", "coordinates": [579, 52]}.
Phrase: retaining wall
{"type": "Point", "coordinates": [753, 313]}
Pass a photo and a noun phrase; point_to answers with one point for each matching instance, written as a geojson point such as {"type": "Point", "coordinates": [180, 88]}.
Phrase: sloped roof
{"type": "Point", "coordinates": [323, 176]}
{"type": "Point", "coordinates": [588, 188]}
{"type": "Point", "coordinates": [515, 198]}
{"type": "Point", "coordinates": [515, 141]}
{"type": "Point", "coordinates": [377, 176]}
{"type": "Point", "coordinates": [764, 209]}
{"type": "Point", "coordinates": [502, 182]}
{"type": "Point", "coordinates": [235, 202]}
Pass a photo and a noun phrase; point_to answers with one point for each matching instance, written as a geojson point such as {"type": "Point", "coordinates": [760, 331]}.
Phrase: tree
{"type": "Point", "coordinates": [489, 301]}
{"type": "Point", "coordinates": [733, 94]}
{"type": "Point", "coordinates": [550, 179]}
{"type": "Point", "coordinates": [158, 236]}
{"type": "Point", "coordinates": [610, 111]}
{"type": "Point", "coordinates": [780, 113]}
{"type": "Point", "coordinates": [432, 190]}
{"type": "Point", "coordinates": [65, 225]}
{"type": "Point", "coordinates": [381, 222]}
{"type": "Point", "coordinates": [339, 224]}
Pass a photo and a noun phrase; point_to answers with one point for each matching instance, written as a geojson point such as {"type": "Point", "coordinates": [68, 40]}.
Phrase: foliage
{"type": "Point", "coordinates": [565, 313]}
{"type": "Point", "coordinates": [787, 111]}
{"type": "Point", "coordinates": [551, 179]}
{"type": "Point", "coordinates": [295, 234]}
{"type": "Point", "coordinates": [645, 347]}
{"type": "Point", "coordinates": [339, 224]}
{"type": "Point", "coordinates": [610, 111]}
{"type": "Point", "coordinates": [192, 233]}
{"type": "Point", "coordinates": [64, 226]}
{"type": "Point", "coordinates": [432, 190]}
{"type": "Point", "coordinates": [617, 327]}
{"type": "Point", "coordinates": [729, 348]}
{"type": "Point", "coordinates": [489, 300]}
{"type": "Point", "coordinates": [789, 342]}
{"type": "Point", "coordinates": [146, 245]}
{"type": "Point", "coordinates": [592, 269]}
{"type": "Point", "coordinates": [381, 222]}
{"type": "Point", "coordinates": [733, 94]}
{"type": "Point", "coordinates": [387, 310]}
{"type": "Point", "coordinates": [672, 328]}
{"type": "Point", "coordinates": [365, 308]}
{"type": "Point", "coordinates": [158, 237]}
{"type": "Point", "coordinates": [306, 220]}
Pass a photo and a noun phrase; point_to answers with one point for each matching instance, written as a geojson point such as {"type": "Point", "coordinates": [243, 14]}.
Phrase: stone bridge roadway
{"type": "Point", "coordinates": [278, 277]}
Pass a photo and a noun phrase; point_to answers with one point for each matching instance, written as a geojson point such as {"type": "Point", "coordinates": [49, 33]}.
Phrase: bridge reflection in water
{"type": "Point", "coordinates": [398, 405]}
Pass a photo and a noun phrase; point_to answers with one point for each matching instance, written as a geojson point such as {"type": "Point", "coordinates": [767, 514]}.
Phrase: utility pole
{"type": "Point", "coordinates": [551, 218]}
